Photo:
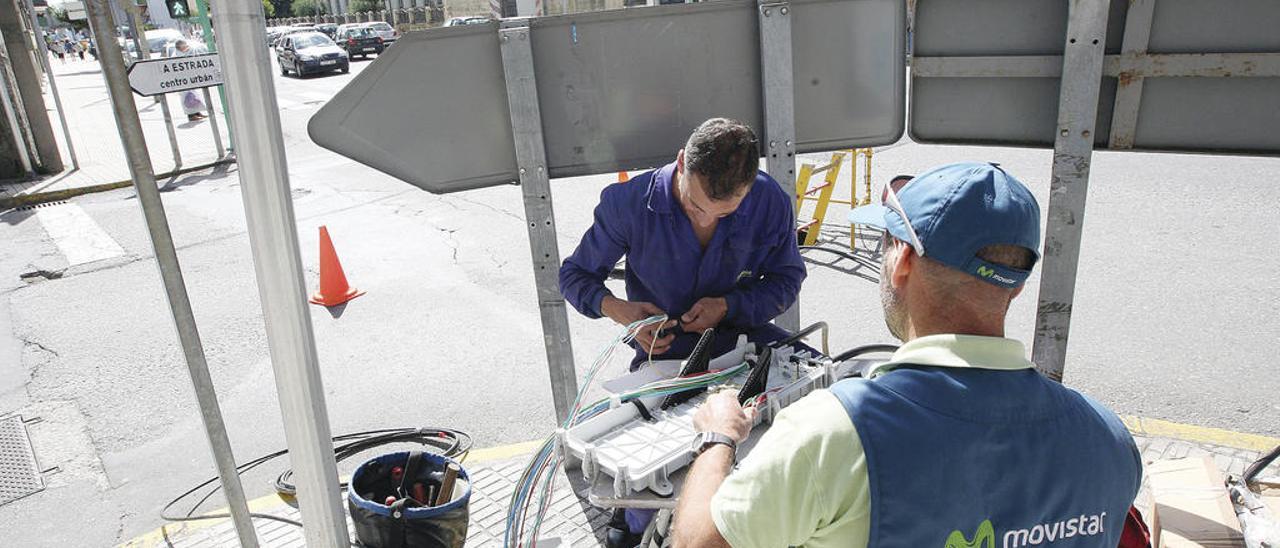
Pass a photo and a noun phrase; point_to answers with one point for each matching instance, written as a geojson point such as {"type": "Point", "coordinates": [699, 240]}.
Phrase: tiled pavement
{"type": "Point", "coordinates": [575, 523]}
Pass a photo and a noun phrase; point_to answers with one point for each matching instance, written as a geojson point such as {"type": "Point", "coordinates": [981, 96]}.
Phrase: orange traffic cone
{"type": "Point", "coordinates": [333, 283]}
{"type": "Point", "coordinates": [623, 177]}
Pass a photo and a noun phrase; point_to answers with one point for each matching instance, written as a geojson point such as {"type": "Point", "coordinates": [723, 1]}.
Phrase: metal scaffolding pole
{"type": "Point", "coordinates": [144, 182]}
{"type": "Point", "coordinates": [1072, 153]}
{"type": "Point", "coordinates": [535, 184]}
{"type": "Point", "coordinates": [43, 54]}
{"type": "Point", "coordinates": [273, 237]}
{"type": "Point", "coordinates": [777, 71]}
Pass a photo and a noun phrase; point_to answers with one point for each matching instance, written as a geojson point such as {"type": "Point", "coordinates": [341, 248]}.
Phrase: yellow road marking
{"type": "Point", "coordinates": [1200, 434]}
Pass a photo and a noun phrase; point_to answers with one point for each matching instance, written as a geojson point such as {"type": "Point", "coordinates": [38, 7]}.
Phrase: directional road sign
{"type": "Point", "coordinates": [172, 74]}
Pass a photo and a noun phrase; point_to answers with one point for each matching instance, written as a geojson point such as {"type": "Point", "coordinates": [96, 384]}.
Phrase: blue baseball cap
{"type": "Point", "coordinates": [956, 210]}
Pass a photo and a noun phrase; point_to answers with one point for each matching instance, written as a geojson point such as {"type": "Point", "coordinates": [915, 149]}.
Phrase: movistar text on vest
{"type": "Point", "coordinates": [1083, 525]}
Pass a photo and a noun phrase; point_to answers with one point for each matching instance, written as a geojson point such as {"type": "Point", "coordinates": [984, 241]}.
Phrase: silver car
{"type": "Point", "coordinates": [384, 30]}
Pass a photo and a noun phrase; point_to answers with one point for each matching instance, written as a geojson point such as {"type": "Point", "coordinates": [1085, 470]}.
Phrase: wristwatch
{"type": "Point", "coordinates": [704, 441]}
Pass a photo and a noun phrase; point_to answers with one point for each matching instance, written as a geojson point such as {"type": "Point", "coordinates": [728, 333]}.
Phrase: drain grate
{"type": "Point", "coordinates": [41, 204]}
{"type": "Point", "coordinates": [19, 473]}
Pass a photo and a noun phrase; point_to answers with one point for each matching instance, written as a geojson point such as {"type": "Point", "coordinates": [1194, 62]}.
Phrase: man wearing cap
{"type": "Point", "coordinates": [955, 442]}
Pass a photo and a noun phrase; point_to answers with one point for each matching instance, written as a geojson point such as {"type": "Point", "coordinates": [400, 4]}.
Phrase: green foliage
{"type": "Point", "coordinates": [307, 8]}
{"type": "Point", "coordinates": [366, 5]}
{"type": "Point", "coordinates": [268, 9]}
{"type": "Point", "coordinates": [62, 15]}
{"type": "Point", "coordinates": [282, 8]}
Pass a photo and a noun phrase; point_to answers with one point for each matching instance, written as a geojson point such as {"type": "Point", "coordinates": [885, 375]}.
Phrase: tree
{"type": "Point", "coordinates": [268, 9]}
{"type": "Point", "coordinates": [282, 8]}
{"type": "Point", "coordinates": [62, 15]}
{"type": "Point", "coordinates": [358, 6]}
{"type": "Point", "coordinates": [307, 8]}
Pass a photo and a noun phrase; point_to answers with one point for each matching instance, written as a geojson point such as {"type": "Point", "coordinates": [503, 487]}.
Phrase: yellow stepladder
{"type": "Point", "coordinates": [808, 232]}
{"type": "Point", "coordinates": [866, 198]}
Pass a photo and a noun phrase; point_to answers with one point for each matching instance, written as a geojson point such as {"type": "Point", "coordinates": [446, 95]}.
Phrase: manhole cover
{"type": "Point", "coordinates": [19, 473]}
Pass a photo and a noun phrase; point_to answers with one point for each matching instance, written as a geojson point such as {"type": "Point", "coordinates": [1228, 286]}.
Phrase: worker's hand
{"type": "Point", "coordinates": [705, 314]}
{"type": "Point", "coordinates": [651, 342]}
{"type": "Point", "coordinates": [627, 313]}
{"type": "Point", "coordinates": [721, 413]}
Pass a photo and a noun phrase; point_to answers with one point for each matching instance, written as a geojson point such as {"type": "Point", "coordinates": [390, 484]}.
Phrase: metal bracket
{"type": "Point", "coordinates": [531, 159]}
{"type": "Point", "coordinates": [1137, 35]}
{"type": "Point", "coordinates": [776, 70]}
{"type": "Point", "coordinates": [1072, 153]}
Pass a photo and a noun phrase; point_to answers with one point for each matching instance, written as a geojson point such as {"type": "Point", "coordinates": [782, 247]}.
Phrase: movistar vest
{"type": "Point", "coordinates": [978, 458]}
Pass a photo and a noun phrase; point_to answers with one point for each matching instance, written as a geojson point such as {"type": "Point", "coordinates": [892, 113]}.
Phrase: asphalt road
{"type": "Point", "coordinates": [1175, 316]}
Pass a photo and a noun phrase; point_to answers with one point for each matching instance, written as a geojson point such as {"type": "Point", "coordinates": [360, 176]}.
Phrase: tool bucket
{"type": "Point", "coordinates": [404, 524]}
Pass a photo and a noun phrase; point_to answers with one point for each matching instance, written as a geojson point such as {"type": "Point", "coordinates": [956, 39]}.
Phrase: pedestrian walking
{"type": "Point", "coordinates": [192, 104]}
{"type": "Point", "coordinates": [55, 49]}
{"type": "Point", "coordinates": [68, 48]}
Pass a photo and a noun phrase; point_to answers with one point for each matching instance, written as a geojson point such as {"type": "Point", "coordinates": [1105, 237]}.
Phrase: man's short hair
{"type": "Point", "coordinates": [1009, 256]}
{"type": "Point", "coordinates": [724, 152]}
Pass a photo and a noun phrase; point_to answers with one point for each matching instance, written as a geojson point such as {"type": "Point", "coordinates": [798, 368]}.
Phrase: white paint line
{"type": "Point", "coordinates": [79, 238]}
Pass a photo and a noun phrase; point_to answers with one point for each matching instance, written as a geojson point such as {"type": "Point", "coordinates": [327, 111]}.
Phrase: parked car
{"type": "Point", "coordinates": [384, 30]}
{"type": "Point", "coordinates": [310, 53]}
{"type": "Point", "coordinates": [471, 20]}
{"type": "Point", "coordinates": [360, 41]}
{"type": "Point", "coordinates": [289, 31]}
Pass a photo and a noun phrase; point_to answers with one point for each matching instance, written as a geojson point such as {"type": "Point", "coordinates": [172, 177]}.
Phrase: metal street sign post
{"type": "Point", "coordinates": [160, 76]}
{"type": "Point", "coordinates": [174, 74]}
{"type": "Point", "coordinates": [144, 51]}
{"type": "Point", "coordinates": [206, 27]}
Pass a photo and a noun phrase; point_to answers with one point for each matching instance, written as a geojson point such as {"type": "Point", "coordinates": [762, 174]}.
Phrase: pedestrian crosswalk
{"type": "Point", "coordinates": [77, 236]}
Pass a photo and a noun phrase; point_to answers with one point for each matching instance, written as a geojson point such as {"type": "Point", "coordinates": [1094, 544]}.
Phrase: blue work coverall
{"type": "Point", "coordinates": [751, 260]}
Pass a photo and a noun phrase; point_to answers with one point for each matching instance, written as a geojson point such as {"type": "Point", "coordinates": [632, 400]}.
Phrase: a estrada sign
{"type": "Point", "coordinates": [172, 74]}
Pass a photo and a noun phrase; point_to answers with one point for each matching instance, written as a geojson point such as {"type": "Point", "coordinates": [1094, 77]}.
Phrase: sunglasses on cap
{"type": "Point", "coordinates": [889, 197]}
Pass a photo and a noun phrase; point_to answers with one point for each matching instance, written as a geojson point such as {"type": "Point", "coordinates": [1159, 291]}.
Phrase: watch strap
{"type": "Point", "coordinates": [715, 438]}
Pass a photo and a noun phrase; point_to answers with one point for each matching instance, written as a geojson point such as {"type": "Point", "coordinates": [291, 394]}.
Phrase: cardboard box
{"type": "Point", "coordinates": [1191, 505]}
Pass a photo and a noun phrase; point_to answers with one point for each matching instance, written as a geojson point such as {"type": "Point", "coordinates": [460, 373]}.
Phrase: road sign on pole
{"type": "Point", "coordinates": [173, 74]}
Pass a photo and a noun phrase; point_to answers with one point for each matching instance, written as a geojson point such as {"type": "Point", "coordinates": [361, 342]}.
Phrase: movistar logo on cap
{"type": "Point", "coordinates": [1084, 525]}
{"type": "Point", "coordinates": [988, 272]}
{"type": "Point", "coordinates": [984, 537]}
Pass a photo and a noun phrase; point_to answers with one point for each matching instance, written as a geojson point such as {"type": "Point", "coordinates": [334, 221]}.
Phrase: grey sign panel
{"type": "Point", "coordinates": [432, 111]}
{"type": "Point", "coordinates": [987, 72]}
{"type": "Point", "coordinates": [617, 89]}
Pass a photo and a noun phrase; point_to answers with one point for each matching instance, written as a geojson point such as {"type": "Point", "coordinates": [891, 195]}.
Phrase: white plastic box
{"type": "Point", "coordinates": [640, 454]}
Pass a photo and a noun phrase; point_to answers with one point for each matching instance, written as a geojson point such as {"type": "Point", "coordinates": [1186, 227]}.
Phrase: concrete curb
{"type": "Point", "coordinates": [35, 198]}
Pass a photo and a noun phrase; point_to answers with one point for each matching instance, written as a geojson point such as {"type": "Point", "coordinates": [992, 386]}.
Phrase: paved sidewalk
{"type": "Point", "coordinates": [572, 522]}
{"type": "Point", "coordinates": [96, 137]}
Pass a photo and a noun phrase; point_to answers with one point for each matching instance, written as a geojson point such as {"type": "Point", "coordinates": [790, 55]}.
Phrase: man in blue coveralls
{"type": "Point", "coordinates": [709, 240]}
{"type": "Point", "coordinates": [957, 441]}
